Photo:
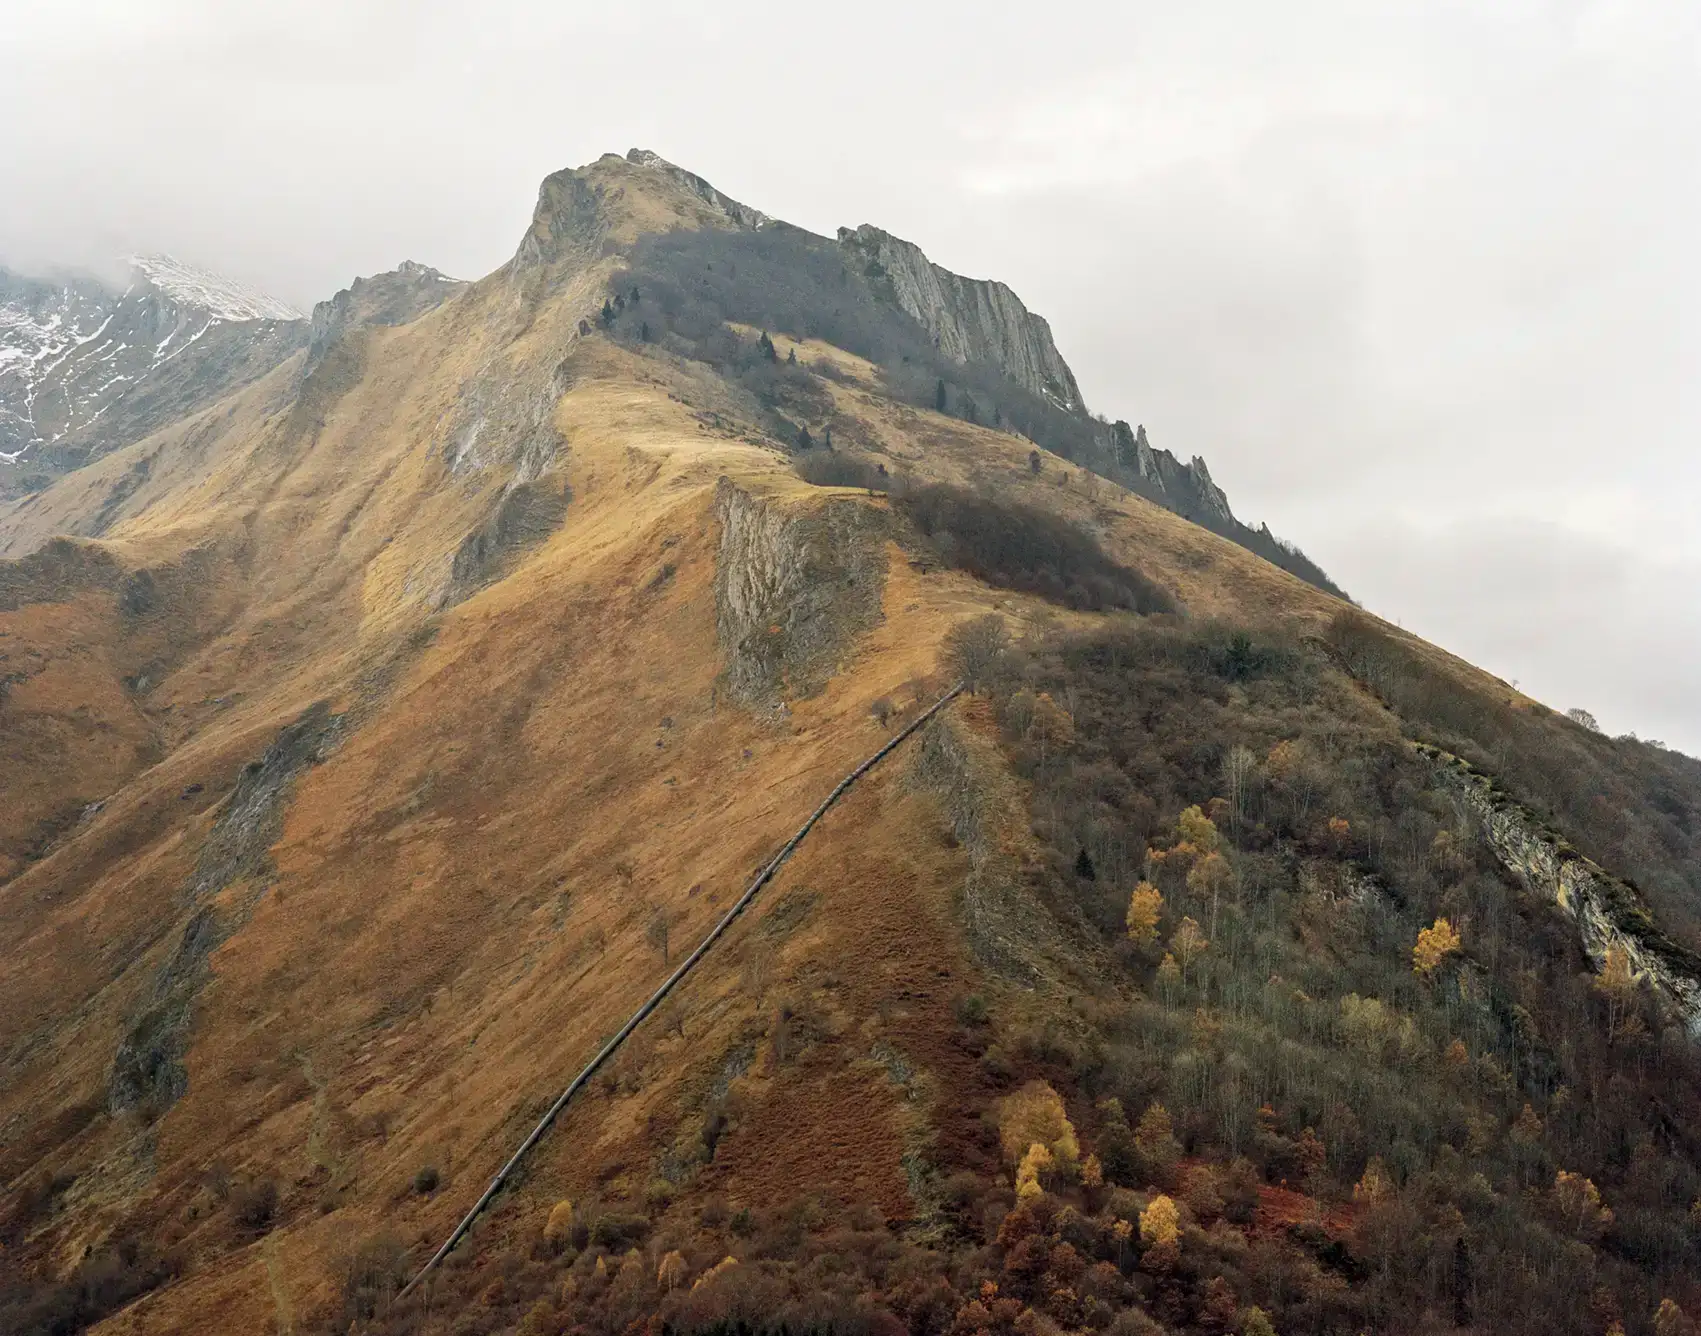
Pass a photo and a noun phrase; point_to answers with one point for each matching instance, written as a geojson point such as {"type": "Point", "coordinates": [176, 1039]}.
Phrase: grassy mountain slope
{"type": "Point", "coordinates": [412, 713]}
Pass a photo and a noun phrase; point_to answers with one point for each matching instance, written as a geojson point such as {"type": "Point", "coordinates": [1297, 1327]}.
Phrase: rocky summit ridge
{"type": "Point", "coordinates": [979, 326]}
{"type": "Point", "coordinates": [86, 368]}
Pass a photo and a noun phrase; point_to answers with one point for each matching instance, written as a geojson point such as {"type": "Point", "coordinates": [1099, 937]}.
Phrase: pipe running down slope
{"type": "Point", "coordinates": [685, 966]}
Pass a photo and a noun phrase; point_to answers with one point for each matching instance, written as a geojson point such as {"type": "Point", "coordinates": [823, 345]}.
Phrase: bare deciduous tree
{"type": "Point", "coordinates": [974, 648]}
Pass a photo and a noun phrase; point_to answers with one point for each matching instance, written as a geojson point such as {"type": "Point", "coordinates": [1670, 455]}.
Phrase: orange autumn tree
{"type": "Point", "coordinates": [1434, 945]}
{"type": "Point", "coordinates": [1145, 908]}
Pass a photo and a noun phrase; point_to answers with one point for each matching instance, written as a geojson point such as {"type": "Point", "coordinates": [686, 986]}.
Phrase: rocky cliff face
{"type": "Point", "coordinates": [403, 294]}
{"type": "Point", "coordinates": [85, 368]}
{"type": "Point", "coordinates": [1185, 488]}
{"type": "Point", "coordinates": [970, 319]}
{"type": "Point", "coordinates": [1608, 912]}
{"type": "Point", "coordinates": [793, 589]}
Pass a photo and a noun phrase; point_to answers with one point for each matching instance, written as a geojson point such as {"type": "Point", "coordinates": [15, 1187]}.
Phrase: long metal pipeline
{"type": "Point", "coordinates": [685, 966]}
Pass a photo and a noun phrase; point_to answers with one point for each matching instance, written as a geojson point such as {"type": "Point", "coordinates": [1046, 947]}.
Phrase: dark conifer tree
{"type": "Point", "coordinates": [939, 395]}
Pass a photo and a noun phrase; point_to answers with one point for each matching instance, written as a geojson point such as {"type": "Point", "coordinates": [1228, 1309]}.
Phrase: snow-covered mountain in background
{"type": "Point", "coordinates": [222, 298]}
{"type": "Point", "coordinates": [86, 367]}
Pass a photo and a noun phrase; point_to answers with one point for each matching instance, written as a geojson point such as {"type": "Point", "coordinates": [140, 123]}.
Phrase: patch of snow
{"type": "Point", "coordinates": [185, 348]}
{"type": "Point", "coordinates": [224, 298]}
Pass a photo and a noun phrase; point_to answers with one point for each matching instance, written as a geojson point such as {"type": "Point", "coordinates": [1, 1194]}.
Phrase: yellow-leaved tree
{"type": "Point", "coordinates": [1434, 945]}
{"type": "Point", "coordinates": [1617, 984]}
{"type": "Point", "coordinates": [1578, 1202]}
{"type": "Point", "coordinates": [1034, 1115]}
{"type": "Point", "coordinates": [1198, 830]}
{"type": "Point", "coordinates": [1160, 1222]}
{"type": "Point", "coordinates": [1256, 1323]}
{"type": "Point", "coordinates": [559, 1227]}
{"type": "Point", "coordinates": [1169, 977]}
{"type": "Point", "coordinates": [1373, 1187]}
{"type": "Point", "coordinates": [1092, 1172]}
{"type": "Point", "coordinates": [1145, 908]}
{"type": "Point", "coordinates": [1034, 1163]}
{"type": "Point", "coordinates": [671, 1273]}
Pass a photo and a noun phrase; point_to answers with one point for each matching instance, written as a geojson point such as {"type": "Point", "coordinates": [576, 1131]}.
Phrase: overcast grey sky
{"type": "Point", "coordinates": [1419, 280]}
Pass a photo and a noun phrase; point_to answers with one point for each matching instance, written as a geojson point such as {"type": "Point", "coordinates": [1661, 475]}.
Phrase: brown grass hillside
{"type": "Point", "coordinates": [372, 821]}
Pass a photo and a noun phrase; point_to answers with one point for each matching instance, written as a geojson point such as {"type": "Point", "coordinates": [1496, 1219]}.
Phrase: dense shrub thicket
{"type": "Point", "coordinates": [830, 468]}
{"type": "Point", "coordinates": [1020, 547]}
{"type": "Point", "coordinates": [104, 1282]}
{"type": "Point", "coordinates": [1531, 1166]}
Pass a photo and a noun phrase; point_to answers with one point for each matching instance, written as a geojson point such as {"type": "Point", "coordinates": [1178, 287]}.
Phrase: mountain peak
{"type": "Point", "coordinates": [395, 297]}
{"type": "Point", "coordinates": [223, 298]}
{"type": "Point", "coordinates": [742, 214]}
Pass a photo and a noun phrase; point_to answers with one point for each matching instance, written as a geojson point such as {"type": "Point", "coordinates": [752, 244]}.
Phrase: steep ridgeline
{"type": "Point", "coordinates": [970, 319]}
{"type": "Point", "coordinates": [394, 298]}
{"type": "Point", "coordinates": [86, 368]}
{"type": "Point", "coordinates": [968, 347]}
{"type": "Point", "coordinates": [982, 322]}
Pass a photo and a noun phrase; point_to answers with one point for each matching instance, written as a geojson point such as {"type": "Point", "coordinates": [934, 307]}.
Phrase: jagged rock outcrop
{"type": "Point", "coordinates": [506, 419]}
{"type": "Point", "coordinates": [1608, 911]}
{"type": "Point", "coordinates": [1005, 927]}
{"type": "Point", "coordinates": [970, 319]}
{"type": "Point", "coordinates": [793, 589]}
{"type": "Point", "coordinates": [401, 295]}
{"type": "Point", "coordinates": [582, 212]}
{"type": "Point", "coordinates": [1186, 488]}
{"type": "Point", "coordinates": [568, 226]}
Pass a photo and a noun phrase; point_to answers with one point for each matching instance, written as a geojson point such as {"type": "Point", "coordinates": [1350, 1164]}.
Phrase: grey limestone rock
{"type": "Point", "coordinates": [970, 319]}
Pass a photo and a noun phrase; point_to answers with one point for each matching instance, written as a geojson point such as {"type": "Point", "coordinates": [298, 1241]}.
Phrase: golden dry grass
{"type": "Point", "coordinates": [461, 892]}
